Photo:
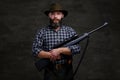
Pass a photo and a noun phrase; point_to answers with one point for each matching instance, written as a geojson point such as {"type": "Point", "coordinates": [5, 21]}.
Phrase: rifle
{"type": "Point", "coordinates": [43, 63]}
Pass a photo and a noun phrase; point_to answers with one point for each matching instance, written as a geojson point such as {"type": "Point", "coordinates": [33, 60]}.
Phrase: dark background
{"type": "Point", "coordinates": [19, 21]}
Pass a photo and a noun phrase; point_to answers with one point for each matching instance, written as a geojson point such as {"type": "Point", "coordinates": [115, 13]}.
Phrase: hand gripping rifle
{"type": "Point", "coordinates": [43, 63]}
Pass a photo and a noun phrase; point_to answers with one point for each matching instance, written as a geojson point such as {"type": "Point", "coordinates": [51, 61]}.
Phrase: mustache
{"type": "Point", "coordinates": [55, 19]}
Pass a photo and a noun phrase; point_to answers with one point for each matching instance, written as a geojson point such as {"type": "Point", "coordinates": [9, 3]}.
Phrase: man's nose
{"type": "Point", "coordinates": [55, 15]}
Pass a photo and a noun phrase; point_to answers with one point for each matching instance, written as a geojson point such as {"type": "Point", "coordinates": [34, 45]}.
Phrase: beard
{"type": "Point", "coordinates": [55, 23]}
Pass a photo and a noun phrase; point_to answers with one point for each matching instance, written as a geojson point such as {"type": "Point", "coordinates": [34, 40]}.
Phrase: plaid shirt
{"type": "Point", "coordinates": [46, 38]}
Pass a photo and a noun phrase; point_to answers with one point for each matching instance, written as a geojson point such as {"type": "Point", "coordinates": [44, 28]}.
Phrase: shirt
{"type": "Point", "coordinates": [46, 38]}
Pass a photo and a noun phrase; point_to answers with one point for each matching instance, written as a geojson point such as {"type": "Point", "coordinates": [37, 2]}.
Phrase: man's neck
{"type": "Point", "coordinates": [57, 28]}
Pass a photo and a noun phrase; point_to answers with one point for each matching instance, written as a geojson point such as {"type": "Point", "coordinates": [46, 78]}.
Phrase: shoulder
{"type": "Point", "coordinates": [42, 30]}
{"type": "Point", "coordinates": [69, 28]}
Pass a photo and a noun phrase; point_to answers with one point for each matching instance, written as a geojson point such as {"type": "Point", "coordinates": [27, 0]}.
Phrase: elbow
{"type": "Point", "coordinates": [75, 49]}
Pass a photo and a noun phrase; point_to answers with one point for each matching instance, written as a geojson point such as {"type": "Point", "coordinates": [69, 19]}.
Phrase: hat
{"type": "Point", "coordinates": [56, 7]}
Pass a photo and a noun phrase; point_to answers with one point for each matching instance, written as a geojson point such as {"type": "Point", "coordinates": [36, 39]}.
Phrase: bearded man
{"type": "Point", "coordinates": [46, 38]}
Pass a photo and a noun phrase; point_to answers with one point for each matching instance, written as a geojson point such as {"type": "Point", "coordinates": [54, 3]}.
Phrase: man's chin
{"type": "Point", "coordinates": [55, 25]}
{"type": "Point", "coordinates": [56, 22]}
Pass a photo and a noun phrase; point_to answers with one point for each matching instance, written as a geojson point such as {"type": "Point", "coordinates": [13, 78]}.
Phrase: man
{"type": "Point", "coordinates": [49, 36]}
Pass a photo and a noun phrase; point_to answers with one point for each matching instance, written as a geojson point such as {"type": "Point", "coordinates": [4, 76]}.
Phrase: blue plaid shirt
{"type": "Point", "coordinates": [46, 38]}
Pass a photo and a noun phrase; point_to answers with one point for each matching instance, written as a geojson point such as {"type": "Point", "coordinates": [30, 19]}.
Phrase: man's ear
{"type": "Point", "coordinates": [49, 14]}
{"type": "Point", "coordinates": [62, 15]}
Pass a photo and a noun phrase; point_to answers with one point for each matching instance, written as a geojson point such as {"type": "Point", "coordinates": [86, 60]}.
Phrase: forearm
{"type": "Point", "coordinates": [62, 50]}
{"type": "Point", "coordinates": [43, 54]}
{"type": "Point", "coordinates": [65, 50]}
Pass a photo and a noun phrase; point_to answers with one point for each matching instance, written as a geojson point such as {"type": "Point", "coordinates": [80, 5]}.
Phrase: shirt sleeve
{"type": "Point", "coordinates": [37, 43]}
{"type": "Point", "coordinates": [75, 49]}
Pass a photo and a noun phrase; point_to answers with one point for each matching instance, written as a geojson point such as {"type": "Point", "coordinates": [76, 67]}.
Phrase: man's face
{"type": "Point", "coordinates": [56, 16]}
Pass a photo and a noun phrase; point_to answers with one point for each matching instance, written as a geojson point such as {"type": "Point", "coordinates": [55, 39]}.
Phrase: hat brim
{"type": "Point", "coordinates": [63, 11]}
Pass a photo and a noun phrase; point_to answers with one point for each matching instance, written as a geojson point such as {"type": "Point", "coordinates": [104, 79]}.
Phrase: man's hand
{"type": "Point", "coordinates": [55, 54]}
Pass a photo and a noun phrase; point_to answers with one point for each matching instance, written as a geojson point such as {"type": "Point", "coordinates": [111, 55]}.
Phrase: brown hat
{"type": "Point", "coordinates": [56, 7]}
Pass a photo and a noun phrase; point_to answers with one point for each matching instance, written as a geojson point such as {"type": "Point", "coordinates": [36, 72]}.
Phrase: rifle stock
{"type": "Point", "coordinates": [43, 63]}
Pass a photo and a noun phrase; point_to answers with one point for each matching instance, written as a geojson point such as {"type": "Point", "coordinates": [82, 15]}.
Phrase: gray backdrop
{"type": "Point", "coordinates": [19, 21]}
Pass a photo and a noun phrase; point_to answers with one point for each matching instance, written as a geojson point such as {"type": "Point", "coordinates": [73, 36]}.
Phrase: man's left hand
{"type": "Point", "coordinates": [55, 54]}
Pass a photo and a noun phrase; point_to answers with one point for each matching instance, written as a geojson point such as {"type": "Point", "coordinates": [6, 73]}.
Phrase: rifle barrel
{"type": "Point", "coordinates": [98, 28]}
{"type": "Point", "coordinates": [85, 35]}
